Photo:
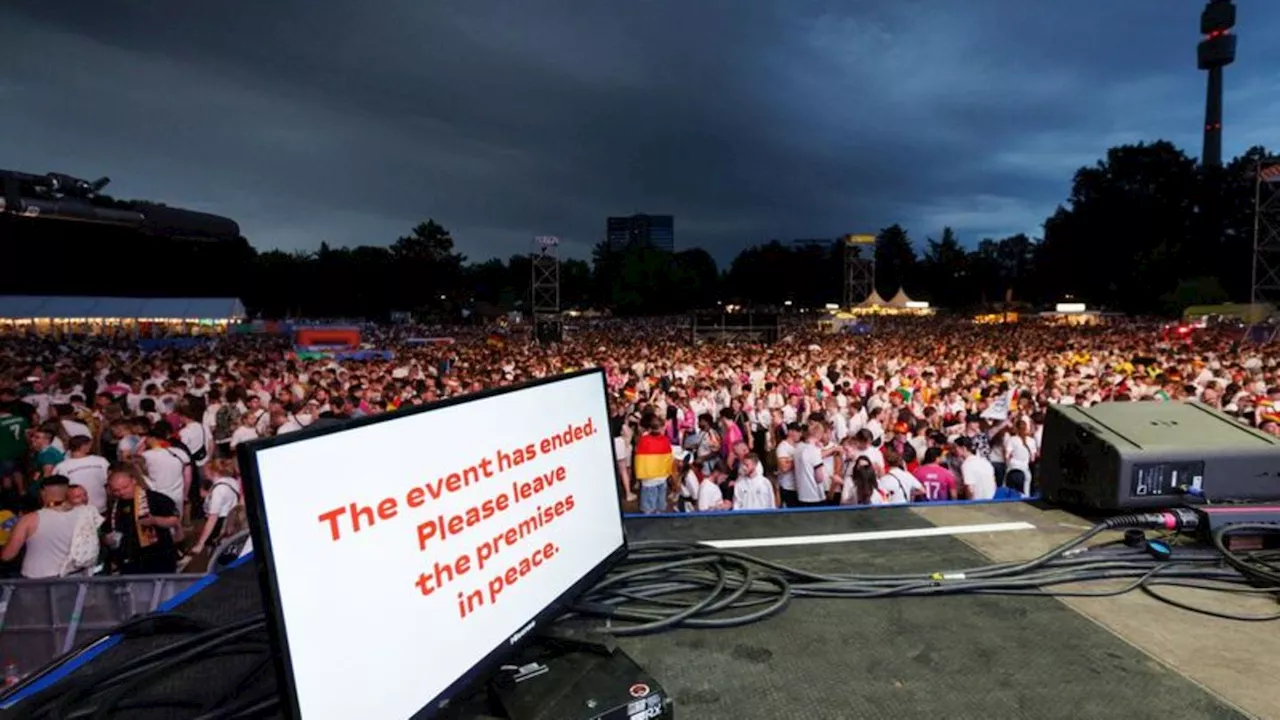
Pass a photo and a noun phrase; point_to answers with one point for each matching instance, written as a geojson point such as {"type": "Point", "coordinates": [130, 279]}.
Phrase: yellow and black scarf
{"type": "Point", "coordinates": [146, 533]}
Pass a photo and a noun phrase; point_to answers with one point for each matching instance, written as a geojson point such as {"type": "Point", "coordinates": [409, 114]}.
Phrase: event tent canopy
{"type": "Point", "coordinates": [873, 300]}
{"type": "Point", "coordinates": [31, 307]}
{"type": "Point", "coordinates": [901, 300]}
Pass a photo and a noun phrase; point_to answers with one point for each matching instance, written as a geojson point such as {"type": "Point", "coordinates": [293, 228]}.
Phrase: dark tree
{"type": "Point", "coordinates": [895, 262]}
{"type": "Point", "coordinates": [945, 277]}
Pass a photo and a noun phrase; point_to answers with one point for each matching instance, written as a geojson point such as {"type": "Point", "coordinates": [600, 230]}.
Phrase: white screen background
{"type": "Point", "coordinates": [363, 641]}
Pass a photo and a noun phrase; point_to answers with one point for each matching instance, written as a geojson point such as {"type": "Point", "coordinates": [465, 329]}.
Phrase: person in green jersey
{"type": "Point", "coordinates": [13, 453]}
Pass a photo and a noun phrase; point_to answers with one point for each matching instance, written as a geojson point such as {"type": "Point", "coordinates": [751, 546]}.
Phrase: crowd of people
{"type": "Point", "coordinates": [113, 460]}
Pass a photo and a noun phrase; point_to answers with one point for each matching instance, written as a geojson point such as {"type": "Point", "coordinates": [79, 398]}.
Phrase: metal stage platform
{"type": "Point", "coordinates": [978, 657]}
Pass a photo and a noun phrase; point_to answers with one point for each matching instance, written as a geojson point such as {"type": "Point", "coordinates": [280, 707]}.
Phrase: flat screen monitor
{"type": "Point", "coordinates": [405, 555]}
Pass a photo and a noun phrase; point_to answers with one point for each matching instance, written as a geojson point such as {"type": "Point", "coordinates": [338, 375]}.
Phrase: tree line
{"type": "Point", "coordinates": [1144, 230]}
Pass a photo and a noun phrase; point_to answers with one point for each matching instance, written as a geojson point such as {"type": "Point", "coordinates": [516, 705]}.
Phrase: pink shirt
{"type": "Point", "coordinates": [938, 482]}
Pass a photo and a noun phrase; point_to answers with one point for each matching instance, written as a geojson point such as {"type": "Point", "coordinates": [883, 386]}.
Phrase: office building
{"type": "Point", "coordinates": [656, 231]}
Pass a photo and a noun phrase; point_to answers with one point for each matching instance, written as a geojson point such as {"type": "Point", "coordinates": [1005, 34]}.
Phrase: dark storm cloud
{"type": "Point", "coordinates": [745, 119]}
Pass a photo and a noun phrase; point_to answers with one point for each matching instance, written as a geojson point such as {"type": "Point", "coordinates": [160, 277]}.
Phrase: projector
{"type": "Point", "coordinates": [1130, 455]}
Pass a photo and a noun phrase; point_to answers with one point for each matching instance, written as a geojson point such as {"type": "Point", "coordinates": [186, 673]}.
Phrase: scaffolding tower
{"type": "Point", "coordinates": [859, 268]}
{"type": "Point", "coordinates": [1265, 273]}
{"type": "Point", "coordinates": [544, 290]}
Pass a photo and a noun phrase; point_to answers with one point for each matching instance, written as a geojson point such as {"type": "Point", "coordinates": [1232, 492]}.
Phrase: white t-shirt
{"type": "Point", "coordinates": [1018, 452]}
{"type": "Point", "coordinates": [194, 436]}
{"type": "Point", "coordinates": [753, 493]}
{"type": "Point", "coordinates": [242, 434]}
{"type": "Point", "coordinates": [709, 495]}
{"type": "Point", "coordinates": [978, 475]}
{"type": "Point", "coordinates": [295, 423]}
{"type": "Point", "coordinates": [898, 486]}
{"type": "Point", "coordinates": [875, 428]}
{"type": "Point", "coordinates": [222, 498]}
{"type": "Point", "coordinates": [76, 428]}
{"type": "Point", "coordinates": [164, 471]}
{"type": "Point", "coordinates": [90, 473]}
{"type": "Point", "coordinates": [622, 449]}
{"type": "Point", "coordinates": [689, 486]}
{"type": "Point", "coordinates": [786, 480]}
{"type": "Point", "coordinates": [873, 454]}
{"type": "Point", "coordinates": [849, 496]}
{"type": "Point", "coordinates": [807, 459]}
{"type": "Point", "coordinates": [829, 467]}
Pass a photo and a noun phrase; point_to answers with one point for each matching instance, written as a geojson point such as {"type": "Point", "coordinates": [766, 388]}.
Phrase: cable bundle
{"type": "Point", "coordinates": [127, 689]}
{"type": "Point", "coordinates": [1261, 566]}
{"type": "Point", "coordinates": [664, 585]}
{"type": "Point", "coordinates": [661, 586]}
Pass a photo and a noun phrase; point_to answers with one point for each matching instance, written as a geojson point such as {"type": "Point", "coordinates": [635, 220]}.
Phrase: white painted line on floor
{"type": "Point", "coordinates": [869, 535]}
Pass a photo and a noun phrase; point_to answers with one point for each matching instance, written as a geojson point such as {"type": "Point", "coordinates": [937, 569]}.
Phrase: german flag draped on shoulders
{"type": "Point", "coordinates": [653, 456]}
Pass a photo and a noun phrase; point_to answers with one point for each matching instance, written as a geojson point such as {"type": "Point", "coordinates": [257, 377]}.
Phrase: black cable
{"type": "Point", "coordinates": [1150, 591]}
{"type": "Point", "coordinates": [244, 680]}
{"type": "Point", "coordinates": [59, 700]}
{"type": "Point", "coordinates": [137, 626]}
{"type": "Point", "coordinates": [1259, 571]}
{"type": "Point", "coordinates": [665, 584]}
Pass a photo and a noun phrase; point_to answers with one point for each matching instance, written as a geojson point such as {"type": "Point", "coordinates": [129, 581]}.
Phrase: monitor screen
{"type": "Point", "coordinates": [404, 555]}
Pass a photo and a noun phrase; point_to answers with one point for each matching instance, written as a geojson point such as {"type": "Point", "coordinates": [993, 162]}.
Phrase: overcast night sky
{"type": "Point", "coordinates": [746, 119]}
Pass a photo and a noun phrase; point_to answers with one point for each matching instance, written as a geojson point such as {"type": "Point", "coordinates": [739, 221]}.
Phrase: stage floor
{"type": "Point", "coordinates": [956, 657]}
{"type": "Point", "coordinates": [952, 658]}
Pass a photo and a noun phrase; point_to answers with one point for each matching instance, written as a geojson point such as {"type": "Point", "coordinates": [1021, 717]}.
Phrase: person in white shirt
{"type": "Point", "coordinates": [221, 497]}
{"type": "Point", "coordinates": [622, 452]}
{"type": "Point", "coordinates": [710, 497]}
{"type": "Point", "coordinates": [86, 470]}
{"type": "Point", "coordinates": [1020, 450]}
{"type": "Point", "coordinates": [809, 469]}
{"type": "Point", "coordinates": [168, 469]}
{"type": "Point", "coordinates": [898, 485]}
{"type": "Point", "coordinates": [862, 487]}
{"type": "Point", "coordinates": [246, 431]}
{"type": "Point", "coordinates": [72, 426]}
{"type": "Point", "coordinates": [47, 534]}
{"type": "Point", "coordinates": [863, 447]}
{"type": "Point", "coordinates": [752, 490]}
{"type": "Point", "coordinates": [689, 483]}
{"type": "Point", "coordinates": [198, 444]}
{"type": "Point", "coordinates": [785, 453]}
{"type": "Point", "coordinates": [976, 473]}
{"type": "Point", "coordinates": [875, 425]}
{"type": "Point", "coordinates": [299, 418]}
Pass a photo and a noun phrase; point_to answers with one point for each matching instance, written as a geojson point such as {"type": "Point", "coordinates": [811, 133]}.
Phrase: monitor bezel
{"type": "Point", "coordinates": [259, 528]}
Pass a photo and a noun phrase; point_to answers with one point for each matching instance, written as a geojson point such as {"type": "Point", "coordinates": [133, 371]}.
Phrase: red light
{"type": "Point", "coordinates": [1183, 329]}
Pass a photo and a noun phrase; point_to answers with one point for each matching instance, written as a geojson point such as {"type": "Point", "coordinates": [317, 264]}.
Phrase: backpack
{"type": "Point", "coordinates": [85, 549]}
{"type": "Point", "coordinates": [224, 423]}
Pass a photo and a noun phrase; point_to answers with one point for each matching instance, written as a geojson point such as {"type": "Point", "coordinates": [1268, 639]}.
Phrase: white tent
{"type": "Point", "coordinates": [901, 300]}
{"type": "Point", "coordinates": [70, 307]}
{"type": "Point", "coordinates": [873, 300]}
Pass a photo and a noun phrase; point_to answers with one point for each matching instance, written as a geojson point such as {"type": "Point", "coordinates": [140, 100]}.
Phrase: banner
{"type": "Point", "coordinates": [999, 409]}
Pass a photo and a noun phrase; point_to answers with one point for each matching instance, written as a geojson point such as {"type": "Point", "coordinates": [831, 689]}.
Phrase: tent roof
{"type": "Point", "coordinates": [872, 300]}
{"type": "Point", "coordinates": [21, 307]}
{"type": "Point", "coordinates": [901, 299]}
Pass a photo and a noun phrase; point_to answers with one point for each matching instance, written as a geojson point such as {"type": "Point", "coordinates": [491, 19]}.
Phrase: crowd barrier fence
{"type": "Point", "coordinates": [44, 619]}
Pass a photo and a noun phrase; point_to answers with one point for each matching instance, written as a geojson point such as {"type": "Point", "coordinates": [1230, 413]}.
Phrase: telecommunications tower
{"type": "Point", "coordinates": [1216, 51]}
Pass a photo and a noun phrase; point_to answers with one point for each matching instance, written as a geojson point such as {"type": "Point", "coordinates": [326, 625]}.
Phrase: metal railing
{"type": "Point", "coordinates": [44, 619]}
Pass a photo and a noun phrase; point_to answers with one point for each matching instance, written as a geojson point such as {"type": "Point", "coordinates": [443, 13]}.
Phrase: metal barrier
{"type": "Point", "coordinates": [44, 619]}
